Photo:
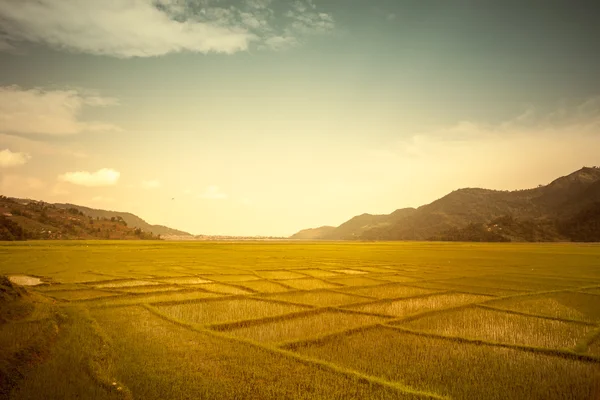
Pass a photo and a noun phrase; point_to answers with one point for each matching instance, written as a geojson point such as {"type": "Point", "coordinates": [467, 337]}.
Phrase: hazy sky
{"type": "Point", "coordinates": [266, 117]}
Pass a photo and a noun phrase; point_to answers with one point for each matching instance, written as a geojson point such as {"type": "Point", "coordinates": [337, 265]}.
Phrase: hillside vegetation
{"type": "Point", "coordinates": [566, 209]}
{"type": "Point", "coordinates": [29, 219]}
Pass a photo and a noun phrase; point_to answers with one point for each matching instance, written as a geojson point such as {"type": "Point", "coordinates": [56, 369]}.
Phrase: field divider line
{"type": "Point", "coordinates": [584, 291]}
{"type": "Point", "coordinates": [587, 341]}
{"type": "Point", "coordinates": [530, 294]}
{"type": "Point", "coordinates": [253, 291]}
{"type": "Point", "coordinates": [243, 323]}
{"type": "Point", "coordinates": [330, 367]}
{"type": "Point", "coordinates": [392, 299]}
{"type": "Point", "coordinates": [526, 314]}
{"type": "Point", "coordinates": [348, 293]}
{"type": "Point", "coordinates": [469, 289]}
{"type": "Point", "coordinates": [568, 354]}
{"type": "Point", "coordinates": [323, 365]}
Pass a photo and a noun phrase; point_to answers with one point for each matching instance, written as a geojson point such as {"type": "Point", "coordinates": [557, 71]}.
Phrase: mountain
{"type": "Point", "coordinates": [313, 233]}
{"type": "Point", "coordinates": [131, 219]}
{"type": "Point", "coordinates": [538, 214]}
{"type": "Point", "coordinates": [22, 219]}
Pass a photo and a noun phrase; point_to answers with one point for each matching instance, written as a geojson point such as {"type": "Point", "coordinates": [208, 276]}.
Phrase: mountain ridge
{"type": "Point", "coordinates": [547, 206]}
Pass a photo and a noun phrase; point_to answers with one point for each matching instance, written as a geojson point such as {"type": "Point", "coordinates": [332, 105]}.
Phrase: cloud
{"type": "Point", "coordinates": [48, 112]}
{"type": "Point", "coordinates": [213, 193]}
{"type": "Point", "coordinates": [152, 184]}
{"type": "Point", "coordinates": [146, 28]}
{"type": "Point", "coordinates": [102, 177]}
{"type": "Point", "coordinates": [10, 159]}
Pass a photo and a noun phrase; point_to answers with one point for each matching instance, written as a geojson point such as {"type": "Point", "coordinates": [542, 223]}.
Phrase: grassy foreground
{"type": "Point", "coordinates": [258, 320]}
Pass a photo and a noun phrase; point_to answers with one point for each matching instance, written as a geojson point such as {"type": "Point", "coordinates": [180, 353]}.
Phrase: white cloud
{"type": "Point", "coordinates": [213, 193]}
{"type": "Point", "coordinates": [50, 112]}
{"type": "Point", "coordinates": [152, 184]}
{"type": "Point", "coordinates": [10, 159]}
{"type": "Point", "coordinates": [145, 28]}
{"type": "Point", "coordinates": [102, 177]}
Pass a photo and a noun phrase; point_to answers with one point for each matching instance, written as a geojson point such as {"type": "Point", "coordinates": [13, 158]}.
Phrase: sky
{"type": "Point", "coordinates": [264, 117]}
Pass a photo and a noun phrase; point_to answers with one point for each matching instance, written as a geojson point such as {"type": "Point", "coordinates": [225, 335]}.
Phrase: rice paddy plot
{"type": "Point", "coordinates": [148, 298]}
{"type": "Point", "coordinates": [441, 285]}
{"type": "Point", "coordinates": [190, 280]}
{"type": "Point", "coordinates": [568, 305]}
{"type": "Point", "coordinates": [263, 286]}
{"type": "Point", "coordinates": [309, 284]}
{"type": "Point", "coordinates": [377, 270]}
{"type": "Point", "coordinates": [221, 288]}
{"type": "Point", "coordinates": [395, 278]}
{"type": "Point", "coordinates": [318, 273]}
{"type": "Point", "coordinates": [356, 281]}
{"type": "Point", "coordinates": [388, 291]}
{"type": "Point", "coordinates": [75, 295]}
{"type": "Point", "coordinates": [60, 286]}
{"type": "Point", "coordinates": [501, 327]}
{"type": "Point", "coordinates": [349, 271]}
{"type": "Point", "coordinates": [150, 289]}
{"type": "Point", "coordinates": [593, 290]}
{"type": "Point", "coordinates": [525, 285]}
{"type": "Point", "coordinates": [159, 360]}
{"type": "Point", "coordinates": [594, 347]}
{"type": "Point", "coordinates": [459, 370]}
{"type": "Point", "coordinates": [319, 298]}
{"type": "Point", "coordinates": [280, 275]}
{"type": "Point", "coordinates": [410, 306]}
{"type": "Point", "coordinates": [124, 283]}
{"type": "Point", "coordinates": [220, 311]}
{"type": "Point", "coordinates": [234, 278]}
{"type": "Point", "coordinates": [302, 327]}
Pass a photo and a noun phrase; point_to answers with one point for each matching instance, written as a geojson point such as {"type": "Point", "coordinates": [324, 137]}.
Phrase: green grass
{"type": "Point", "coordinates": [497, 326]}
{"type": "Point", "coordinates": [304, 326]}
{"type": "Point", "coordinates": [411, 306]}
{"type": "Point", "coordinates": [459, 370]}
{"type": "Point", "coordinates": [269, 321]}
{"type": "Point", "coordinates": [219, 311]}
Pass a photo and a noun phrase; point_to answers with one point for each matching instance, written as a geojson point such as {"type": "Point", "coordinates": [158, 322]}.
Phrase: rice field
{"type": "Point", "coordinates": [259, 320]}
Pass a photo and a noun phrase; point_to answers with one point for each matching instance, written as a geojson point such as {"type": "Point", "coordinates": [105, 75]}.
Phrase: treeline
{"type": "Point", "coordinates": [38, 221]}
{"type": "Point", "coordinates": [582, 227]}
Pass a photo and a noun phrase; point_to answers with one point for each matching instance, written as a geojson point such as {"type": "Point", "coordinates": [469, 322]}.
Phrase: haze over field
{"type": "Point", "coordinates": [265, 117]}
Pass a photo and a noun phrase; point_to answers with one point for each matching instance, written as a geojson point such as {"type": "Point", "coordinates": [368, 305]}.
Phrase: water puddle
{"type": "Point", "coordinates": [24, 280]}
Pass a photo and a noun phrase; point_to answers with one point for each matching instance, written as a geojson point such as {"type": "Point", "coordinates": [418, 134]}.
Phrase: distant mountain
{"type": "Point", "coordinates": [539, 214]}
{"type": "Point", "coordinates": [313, 233]}
{"type": "Point", "coordinates": [29, 219]}
{"type": "Point", "coordinates": [131, 219]}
